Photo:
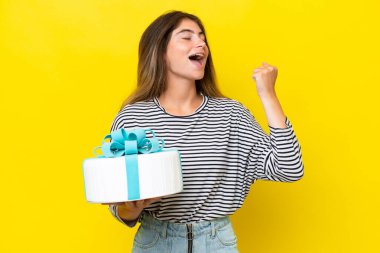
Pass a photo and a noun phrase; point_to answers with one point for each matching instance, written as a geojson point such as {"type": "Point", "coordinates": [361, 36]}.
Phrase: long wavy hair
{"type": "Point", "coordinates": [152, 68]}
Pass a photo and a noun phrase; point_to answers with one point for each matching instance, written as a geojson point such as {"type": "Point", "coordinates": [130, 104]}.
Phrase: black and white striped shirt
{"type": "Point", "coordinates": [223, 151]}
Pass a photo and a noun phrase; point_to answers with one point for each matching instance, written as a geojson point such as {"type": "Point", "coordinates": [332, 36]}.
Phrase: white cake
{"type": "Point", "coordinates": [159, 174]}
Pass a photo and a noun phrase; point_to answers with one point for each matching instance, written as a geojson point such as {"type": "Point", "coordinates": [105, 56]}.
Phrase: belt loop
{"type": "Point", "coordinates": [164, 228]}
{"type": "Point", "coordinates": [212, 229]}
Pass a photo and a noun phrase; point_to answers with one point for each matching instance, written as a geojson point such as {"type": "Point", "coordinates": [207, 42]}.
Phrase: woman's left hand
{"type": "Point", "coordinates": [265, 78]}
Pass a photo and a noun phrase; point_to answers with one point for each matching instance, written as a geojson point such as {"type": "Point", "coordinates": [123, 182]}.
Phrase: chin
{"type": "Point", "coordinates": [199, 77]}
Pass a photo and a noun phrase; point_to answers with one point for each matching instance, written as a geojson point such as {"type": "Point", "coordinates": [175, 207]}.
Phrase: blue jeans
{"type": "Point", "coordinates": [158, 236]}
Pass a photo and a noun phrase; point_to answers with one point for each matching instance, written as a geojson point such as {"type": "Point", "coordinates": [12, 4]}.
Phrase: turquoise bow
{"type": "Point", "coordinates": [129, 143]}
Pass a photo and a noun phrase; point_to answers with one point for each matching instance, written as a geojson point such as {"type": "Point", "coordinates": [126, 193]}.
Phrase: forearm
{"type": "Point", "coordinates": [273, 111]}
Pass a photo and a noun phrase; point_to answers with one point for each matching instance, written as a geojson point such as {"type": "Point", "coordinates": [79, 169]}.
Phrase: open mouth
{"type": "Point", "coordinates": [197, 59]}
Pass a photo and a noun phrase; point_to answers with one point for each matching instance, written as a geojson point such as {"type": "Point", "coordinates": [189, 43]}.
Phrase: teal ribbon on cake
{"type": "Point", "coordinates": [129, 143]}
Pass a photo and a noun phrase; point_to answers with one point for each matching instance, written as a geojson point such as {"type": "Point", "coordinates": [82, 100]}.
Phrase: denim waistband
{"type": "Point", "coordinates": [168, 228]}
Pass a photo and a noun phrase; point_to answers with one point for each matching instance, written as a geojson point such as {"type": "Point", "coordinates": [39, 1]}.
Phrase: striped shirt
{"type": "Point", "coordinates": [223, 152]}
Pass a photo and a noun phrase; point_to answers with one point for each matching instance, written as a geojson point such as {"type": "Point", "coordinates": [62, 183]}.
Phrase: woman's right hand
{"type": "Point", "coordinates": [130, 210]}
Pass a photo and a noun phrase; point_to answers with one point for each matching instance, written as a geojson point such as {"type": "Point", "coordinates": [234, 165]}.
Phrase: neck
{"type": "Point", "coordinates": [180, 95]}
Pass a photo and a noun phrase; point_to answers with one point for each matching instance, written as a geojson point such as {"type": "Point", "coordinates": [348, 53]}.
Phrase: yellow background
{"type": "Point", "coordinates": [66, 66]}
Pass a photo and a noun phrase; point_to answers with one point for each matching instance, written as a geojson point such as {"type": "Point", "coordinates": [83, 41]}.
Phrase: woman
{"type": "Point", "coordinates": [223, 148]}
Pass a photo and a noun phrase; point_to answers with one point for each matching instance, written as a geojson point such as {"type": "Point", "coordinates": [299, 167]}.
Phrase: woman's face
{"type": "Point", "coordinates": [187, 52]}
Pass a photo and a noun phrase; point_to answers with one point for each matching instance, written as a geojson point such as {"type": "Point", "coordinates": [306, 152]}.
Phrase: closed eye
{"type": "Point", "coordinates": [189, 38]}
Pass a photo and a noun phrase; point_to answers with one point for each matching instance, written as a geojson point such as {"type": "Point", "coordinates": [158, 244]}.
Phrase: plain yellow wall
{"type": "Point", "coordinates": [66, 66]}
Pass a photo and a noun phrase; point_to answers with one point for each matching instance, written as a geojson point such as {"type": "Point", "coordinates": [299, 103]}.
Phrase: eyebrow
{"type": "Point", "coordinates": [189, 30]}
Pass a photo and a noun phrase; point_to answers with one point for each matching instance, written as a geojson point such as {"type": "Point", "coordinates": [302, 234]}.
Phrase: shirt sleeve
{"type": "Point", "coordinates": [119, 121]}
{"type": "Point", "coordinates": [274, 157]}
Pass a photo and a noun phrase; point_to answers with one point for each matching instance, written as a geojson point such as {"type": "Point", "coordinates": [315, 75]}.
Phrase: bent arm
{"type": "Point", "coordinates": [275, 157]}
{"type": "Point", "coordinates": [273, 111]}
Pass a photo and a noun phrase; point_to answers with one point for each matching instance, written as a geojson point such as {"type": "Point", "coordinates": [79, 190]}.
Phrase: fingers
{"type": "Point", "coordinates": [150, 201]}
{"type": "Point", "coordinates": [140, 204]}
{"type": "Point", "coordinates": [132, 204]}
{"type": "Point", "coordinates": [113, 203]}
{"type": "Point", "coordinates": [264, 69]}
{"type": "Point", "coordinates": [135, 204]}
{"type": "Point", "coordinates": [265, 65]}
{"type": "Point", "coordinates": [145, 202]}
{"type": "Point", "coordinates": [268, 67]}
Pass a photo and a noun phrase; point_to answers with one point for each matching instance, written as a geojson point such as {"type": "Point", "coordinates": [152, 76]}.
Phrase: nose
{"type": "Point", "coordinates": [201, 44]}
